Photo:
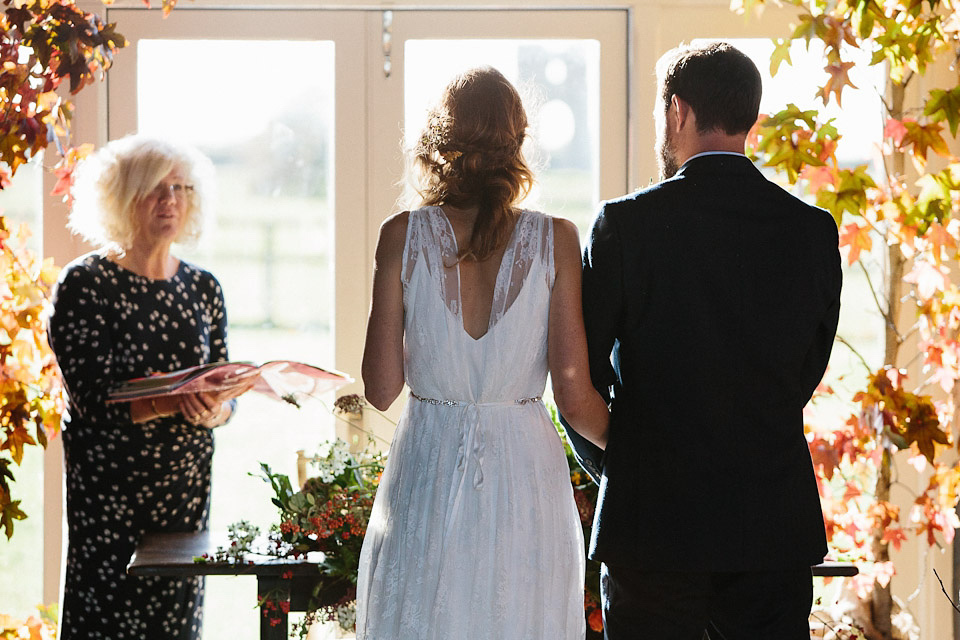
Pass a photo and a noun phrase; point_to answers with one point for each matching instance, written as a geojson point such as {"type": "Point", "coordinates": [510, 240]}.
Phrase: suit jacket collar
{"type": "Point", "coordinates": [716, 163]}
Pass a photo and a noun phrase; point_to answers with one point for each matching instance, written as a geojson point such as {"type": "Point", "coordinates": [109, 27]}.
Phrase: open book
{"type": "Point", "coordinates": [280, 379]}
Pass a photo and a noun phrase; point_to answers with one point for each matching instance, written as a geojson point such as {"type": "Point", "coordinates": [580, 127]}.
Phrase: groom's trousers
{"type": "Point", "coordinates": [639, 605]}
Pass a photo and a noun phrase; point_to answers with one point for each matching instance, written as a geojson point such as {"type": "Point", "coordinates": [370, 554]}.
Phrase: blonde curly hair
{"type": "Point", "coordinates": [469, 153]}
{"type": "Point", "coordinates": [110, 183]}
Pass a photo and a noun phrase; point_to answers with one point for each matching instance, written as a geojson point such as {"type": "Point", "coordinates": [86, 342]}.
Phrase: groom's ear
{"type": "Point", "coordinates": [682, 114]}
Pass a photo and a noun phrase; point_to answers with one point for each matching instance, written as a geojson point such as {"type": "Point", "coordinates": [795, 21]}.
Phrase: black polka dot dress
{"type": "Point", "coordinates": [108, 325]}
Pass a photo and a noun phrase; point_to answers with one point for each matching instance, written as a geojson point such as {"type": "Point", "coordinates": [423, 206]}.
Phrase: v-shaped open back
{"type": "Point", "coordinates": [433, 295]}
{"type": "Point", "coordinates": [454, 275]}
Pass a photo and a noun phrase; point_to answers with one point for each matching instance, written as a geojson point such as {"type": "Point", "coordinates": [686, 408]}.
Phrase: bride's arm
{"type": "Point", "coordinates": [382, 368]}
{"type": "Point", "coordinates": [576, 398]}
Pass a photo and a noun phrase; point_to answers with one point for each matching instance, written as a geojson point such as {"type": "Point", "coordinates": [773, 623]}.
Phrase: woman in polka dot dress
{"type": "Point", "coordinates": [127, 310]}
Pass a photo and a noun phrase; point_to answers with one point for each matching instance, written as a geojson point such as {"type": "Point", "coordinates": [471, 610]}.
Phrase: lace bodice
{"type": "Point", "coordinates": [510, 360]}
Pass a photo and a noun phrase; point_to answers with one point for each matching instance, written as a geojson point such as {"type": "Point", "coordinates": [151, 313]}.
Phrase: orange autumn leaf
{"type": "Point", "coordinates": [924, 138]}
{"type": "Point", "coordinates": [839, 78]}
{"type": "Point", "coordinates": [940, 238]}
{"type": "Point", "coordinates": [924, 428]}
{"type": "Point", "coordinates": [857, 238]}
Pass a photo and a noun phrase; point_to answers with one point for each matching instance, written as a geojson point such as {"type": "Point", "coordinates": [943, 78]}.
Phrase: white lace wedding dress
{"type": "Point", "coordinates": [474, 532]}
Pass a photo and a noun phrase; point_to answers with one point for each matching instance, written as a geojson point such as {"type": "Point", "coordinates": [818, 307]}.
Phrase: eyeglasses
{"type": "Point", "coordinates": [178, 191]}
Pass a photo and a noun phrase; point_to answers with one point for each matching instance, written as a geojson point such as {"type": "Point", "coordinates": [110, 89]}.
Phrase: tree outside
{"type": "Point", "coordinates": [905, 213]}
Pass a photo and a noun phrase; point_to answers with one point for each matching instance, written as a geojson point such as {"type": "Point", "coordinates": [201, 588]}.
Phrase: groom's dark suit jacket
{"type": "Point", "coordinates": [717, 294]}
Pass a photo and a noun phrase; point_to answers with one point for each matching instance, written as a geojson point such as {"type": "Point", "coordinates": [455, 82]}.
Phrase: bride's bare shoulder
{"type": "Point", "coordinates": [393, 233]}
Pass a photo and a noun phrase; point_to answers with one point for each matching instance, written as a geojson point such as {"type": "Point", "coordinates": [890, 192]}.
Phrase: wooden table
{"type": "Point", "coordinates": [172, 554]}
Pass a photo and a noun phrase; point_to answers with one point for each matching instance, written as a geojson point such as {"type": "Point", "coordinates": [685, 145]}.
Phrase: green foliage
{"type": "Point", "coordinates": [914, 216]}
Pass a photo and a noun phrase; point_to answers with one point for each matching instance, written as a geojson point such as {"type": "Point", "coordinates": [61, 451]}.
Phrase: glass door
{"type": "Point", "coordinates": [303, 113]}
{"type": "Point", "coordinates": [272, 102]}
{"type": "Point", "coordinates": [571, 68]}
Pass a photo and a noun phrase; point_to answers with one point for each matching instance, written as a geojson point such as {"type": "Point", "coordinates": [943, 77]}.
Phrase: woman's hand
{"type": "Point", "coordinates": [210, 409]}
{"type": "Point", "coordinates": [200, 408]}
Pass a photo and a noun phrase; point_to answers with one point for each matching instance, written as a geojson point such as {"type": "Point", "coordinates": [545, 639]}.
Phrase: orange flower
{"type": "Point", "coordinates": [595, 620]}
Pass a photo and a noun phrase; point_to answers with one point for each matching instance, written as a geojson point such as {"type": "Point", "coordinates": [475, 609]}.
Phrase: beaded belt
{"type": "Point", "coordinates": [462, 403]}
{"type": "Point", "coordinates": [471, 435]}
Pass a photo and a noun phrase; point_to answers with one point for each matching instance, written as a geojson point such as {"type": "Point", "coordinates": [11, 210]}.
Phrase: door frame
{"type": "Point", "coordinates": [365, 194]}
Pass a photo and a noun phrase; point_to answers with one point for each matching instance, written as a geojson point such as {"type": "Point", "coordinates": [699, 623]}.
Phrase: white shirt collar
{"type": "Point", "coordinates": [715, 153]}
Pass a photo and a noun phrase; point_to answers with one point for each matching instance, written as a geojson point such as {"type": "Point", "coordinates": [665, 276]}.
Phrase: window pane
{"type": "Point", "coordinates": [22, 556]}
{"type": "Point", "coordinates": [268, 127]}
{"type": "Point", "coordinates": [22, 201]}
{"type": "Point", "coordinates": [559, 81]}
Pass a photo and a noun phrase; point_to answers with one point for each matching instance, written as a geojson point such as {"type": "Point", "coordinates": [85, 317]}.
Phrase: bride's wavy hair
{"type": "Point", "coordinates": [469, 154]}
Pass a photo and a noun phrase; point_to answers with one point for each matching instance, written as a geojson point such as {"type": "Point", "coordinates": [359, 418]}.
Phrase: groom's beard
{"type": "Point", "coordinates": [666, 157]}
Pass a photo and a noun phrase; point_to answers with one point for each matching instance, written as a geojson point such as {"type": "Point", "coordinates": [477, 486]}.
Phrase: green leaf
{"type": "Point", "coordinates": [944, 105]}
{"type": "Point", "coordinates": [10, 511]}
{"type": "Point", "coordinates": [862, 18]}
{"type": "Point", "coordinates": [807, 29]}
{"type": "Point", "coordinates": [781, 54]}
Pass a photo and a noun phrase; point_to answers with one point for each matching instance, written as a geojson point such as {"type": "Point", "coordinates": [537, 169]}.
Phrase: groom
{"type": "Point", "coordinates": [715, 294]}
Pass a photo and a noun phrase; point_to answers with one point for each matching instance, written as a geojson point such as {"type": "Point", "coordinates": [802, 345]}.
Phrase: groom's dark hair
{"type": "Point", "coordinates": [719, 82]}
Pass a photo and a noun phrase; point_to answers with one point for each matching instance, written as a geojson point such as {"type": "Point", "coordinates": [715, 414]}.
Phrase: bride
{"type": "Point", "coordinates": [474, 532]}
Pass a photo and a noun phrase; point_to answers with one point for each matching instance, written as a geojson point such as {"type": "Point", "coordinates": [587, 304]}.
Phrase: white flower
{"type": "Point", "coordinates": [332, 459]}
{"type": "Point", "coordinates": [347, 616]}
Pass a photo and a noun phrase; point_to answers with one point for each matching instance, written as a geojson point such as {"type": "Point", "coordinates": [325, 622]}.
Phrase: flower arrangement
{"type": "Point", "coordinates": [328, 514]}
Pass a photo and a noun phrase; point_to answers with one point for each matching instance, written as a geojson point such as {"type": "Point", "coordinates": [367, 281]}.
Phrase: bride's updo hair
{"type": "Point", "coordinates": [469, 154]}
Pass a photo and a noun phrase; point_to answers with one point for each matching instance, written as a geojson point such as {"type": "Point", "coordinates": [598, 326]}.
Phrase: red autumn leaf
{"type": "Point", "coordinates": [753, 136]}
{"type": "Point", "coordinates": [934, 355]}
{"type": "Point", "coordinates": [896, 130]}
{"type": "Point", "coordinates": [595, 620]}
{"type": "Point", "coordinates": [852, 491]}
{"type": "Point", "coordinates": [824, 457]}
{"type": "Point", "coordinates": [895, 537]}
{"type": "Point", "coordinates": [817, 177]}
